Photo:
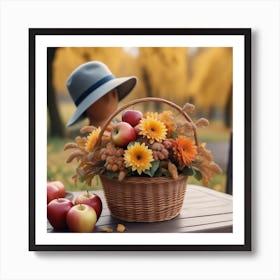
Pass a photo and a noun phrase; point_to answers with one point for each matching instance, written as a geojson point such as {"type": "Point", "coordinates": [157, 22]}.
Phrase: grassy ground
{"type": "Point", "coordinates": [215, 132]}
{"type": "Point", "coordinates": [58, 169]}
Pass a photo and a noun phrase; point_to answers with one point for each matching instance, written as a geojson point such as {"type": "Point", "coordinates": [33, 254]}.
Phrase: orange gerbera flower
{"type": "Point", "coordinates": [184, 151]}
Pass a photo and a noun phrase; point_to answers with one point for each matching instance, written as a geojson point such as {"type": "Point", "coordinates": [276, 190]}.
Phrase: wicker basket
{"type": "Point", "coordinates": [144, 199]}
{"type": "Point", "coordinates": [140, 199]}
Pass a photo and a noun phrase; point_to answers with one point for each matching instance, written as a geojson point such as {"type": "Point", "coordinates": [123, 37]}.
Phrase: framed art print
{"type": "Point", "coordinates": [162, 161]}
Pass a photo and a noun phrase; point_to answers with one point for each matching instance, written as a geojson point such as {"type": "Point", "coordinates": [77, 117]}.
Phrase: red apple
{"type": "Point", "coordinates": [92, 200]}
{"type": "Point", "coordinates": [57, 211]}
{"type": "Point", "coordinates": [60, 186]}
{"type": "Point", "coordinates": [122, 133]}
{"type": "Point", "coordinates": [81, 218]}
{"type": "Point", "coordinates": [55, 189]}
{"type": "Point", "coordinates": [132, 117]}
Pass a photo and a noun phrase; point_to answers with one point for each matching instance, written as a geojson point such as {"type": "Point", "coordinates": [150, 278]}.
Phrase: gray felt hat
{"type": "Point", "coordinates": [89, 82]}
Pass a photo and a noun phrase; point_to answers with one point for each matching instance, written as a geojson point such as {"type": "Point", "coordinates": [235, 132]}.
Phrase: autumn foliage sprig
{"type": "Point", "coordinates": [161, 146]}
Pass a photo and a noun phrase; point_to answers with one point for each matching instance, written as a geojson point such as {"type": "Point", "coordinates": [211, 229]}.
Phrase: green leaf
{"type": "Point", "coordinates": [81, 179]}
{"type": "Point", "coordinates": [110, 174]}
{"type": "Point", "coordinates": [130, 144]}
{"type": "Point", "coordinates": [158, 173]}
{"type": "Point", "coordinates": [174, 134]}
{"type": "Point", "coordinates": [188, 171]}
{"type": "Point", "coordinates": [165, 172]}
{"type": "Point", "coordinates": [151, 172]}
{"type": "Point", "coordinates": [197, 175]}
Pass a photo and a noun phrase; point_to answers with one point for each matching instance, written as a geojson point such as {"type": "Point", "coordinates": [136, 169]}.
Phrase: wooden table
{"type": "Point", "coordinates": [204, 210]}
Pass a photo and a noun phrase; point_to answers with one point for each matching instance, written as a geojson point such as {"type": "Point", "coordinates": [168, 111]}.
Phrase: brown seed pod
{"type": "Point", "coordinates": [155, 155]}
{"type": "Point", "coordinates": [77, 154]}
{"type": "Point", "coordinates": [202, 122]}
{"type": "Point", "coordinates": [188, 108]}
{"type": "Point", "coordinates": [157, 146]}
{"type": "Point", "coordinates": [122, 175]}
{"type": "Point", "coordinates": [168, 143]}
{"type": "Point", "coordinates": [215, 167]}
{"type": "Point", "coordinates": [87, 129]}
{"type": "Point", "coordinates": [115, 167]}
{"type": "Point", "coordinates": [70, 146]}
{"type": "Point", "coordinates": [80, 141]}
{"type": "Point", "coordinates": [173, 170]}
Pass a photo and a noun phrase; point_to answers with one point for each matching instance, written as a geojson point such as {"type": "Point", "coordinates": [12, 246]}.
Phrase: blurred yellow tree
{"type": "Point", "coordinates": [164, 71]}
{"type": "Point", "coordinates": [69, 58]}
{"type": "Point", "coordinates": [211, 83]}
{"type": "Point", "coordinates": [161, 71]}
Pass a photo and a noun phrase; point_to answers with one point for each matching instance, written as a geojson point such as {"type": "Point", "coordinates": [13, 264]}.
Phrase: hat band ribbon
{"type": "Point", "coordinates": [93, 87]}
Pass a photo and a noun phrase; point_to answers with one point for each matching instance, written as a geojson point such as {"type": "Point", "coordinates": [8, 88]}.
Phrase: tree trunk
{"type": "Point", "coordinates": [56, 126]}
{"type": "Point", "coordinates": [147, 82]}
{"type": "Point", "coordinates": [229, 168]}
{"type": "Point", "coordinates": [211, 113]}
{"type": "Point", "coordinates": [149, 89]}
{"type": "Point", "coordinates": [228, 110]}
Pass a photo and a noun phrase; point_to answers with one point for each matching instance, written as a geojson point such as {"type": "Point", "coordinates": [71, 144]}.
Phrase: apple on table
{"type": "Point", "coordinates": [57, 211]}
{"type": "Point", "coordinates": [92, 200]}
{"type": "Point", "coordinates": [55, 189]}
{"type": "Point", "coordinates": [81, 218]}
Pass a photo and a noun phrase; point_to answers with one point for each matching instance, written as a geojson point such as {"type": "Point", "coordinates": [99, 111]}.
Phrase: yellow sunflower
{"type": "Point", "coordinates": [139, 157]}
{"type": "Point", "coordinates": [91, 139]}
{"type": "Point", "coordinates": [153, 129]}
{"type": "Point", "coordinates": [166, 117]}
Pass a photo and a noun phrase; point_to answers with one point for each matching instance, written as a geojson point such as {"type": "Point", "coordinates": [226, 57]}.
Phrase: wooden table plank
{"type": "Point", "coordinates": [204, 210]}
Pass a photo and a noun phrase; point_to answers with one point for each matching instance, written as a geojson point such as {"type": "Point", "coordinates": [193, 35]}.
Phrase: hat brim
{"type": "Point", "coordinates": [124, 85]}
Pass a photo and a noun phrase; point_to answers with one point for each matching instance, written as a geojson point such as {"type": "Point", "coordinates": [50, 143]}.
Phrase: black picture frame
{"type": "Point", "coordinates": [35, 33]}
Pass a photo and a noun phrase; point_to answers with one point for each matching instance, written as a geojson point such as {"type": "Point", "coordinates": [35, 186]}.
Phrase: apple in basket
{"type": "Point", "coordinates": [81, 218]}
{"type": "Point", "coordinates": [55, 189]}
{"type": "Point", "coordinates": [122, 133]}
{"type": "Point", "coordinates": [92, 200]}
{"type": "Point", "coordinates": [132, 117]}
{"type": "Point", "coordinates": [57, 211]}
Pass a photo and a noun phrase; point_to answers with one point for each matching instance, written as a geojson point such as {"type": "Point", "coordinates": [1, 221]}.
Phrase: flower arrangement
{"type": "Point", "coordinates": [154, 144]}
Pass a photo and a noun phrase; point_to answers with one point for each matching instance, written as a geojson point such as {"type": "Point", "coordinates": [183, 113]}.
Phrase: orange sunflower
{"type": "Point", "coordinates": [184, 151]}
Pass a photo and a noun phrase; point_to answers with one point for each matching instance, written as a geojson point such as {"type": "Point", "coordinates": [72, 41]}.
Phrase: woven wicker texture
{"type": "Point", "coordinates": [143, 199]}
{"type": "Point", "coordinates": [140, 199]}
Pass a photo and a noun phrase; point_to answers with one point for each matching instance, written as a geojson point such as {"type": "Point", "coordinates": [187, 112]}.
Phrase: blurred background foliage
{"type": "Point", "coordinates": [202, 76]}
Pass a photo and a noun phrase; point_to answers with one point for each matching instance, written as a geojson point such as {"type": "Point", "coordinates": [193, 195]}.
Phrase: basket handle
{"type": "Point", "coordinates": [142, 100]}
